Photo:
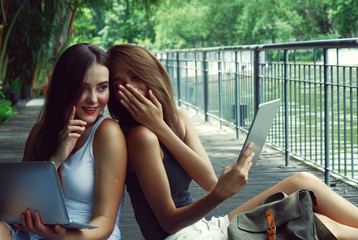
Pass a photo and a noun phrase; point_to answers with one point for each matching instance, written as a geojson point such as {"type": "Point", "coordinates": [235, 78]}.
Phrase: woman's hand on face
{"type": "Point", "coordinates": [68, 137]}
{"type": "Point", "coordinates": [148, 112]}
{"type": "Point", "coordinates": [235, 176]}
{"type": "Point", "coordinates": [32, 223]}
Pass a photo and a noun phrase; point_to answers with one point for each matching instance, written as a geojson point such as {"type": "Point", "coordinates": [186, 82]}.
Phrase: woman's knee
{"type": "Point", "coordinates": [304, 180]}
{"type": "Point", "coordinates": [304, 175]}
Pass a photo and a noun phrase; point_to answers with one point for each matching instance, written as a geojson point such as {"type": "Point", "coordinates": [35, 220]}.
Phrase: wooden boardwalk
{"type": "Point", "coordinates": [222, 148]}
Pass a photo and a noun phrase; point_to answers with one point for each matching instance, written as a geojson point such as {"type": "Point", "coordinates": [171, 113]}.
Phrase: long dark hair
{"type": "Point", "coordinates": [149, 69]}
{"type": "Point", "coordinates": [64, 90]}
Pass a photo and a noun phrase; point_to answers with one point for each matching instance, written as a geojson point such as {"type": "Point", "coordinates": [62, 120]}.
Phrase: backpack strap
{"type": "Point", "coordinates": [271, 226]}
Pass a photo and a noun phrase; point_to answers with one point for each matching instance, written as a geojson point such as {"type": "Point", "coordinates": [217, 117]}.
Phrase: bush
{"type": "Point", "coordinates": [5, 110]}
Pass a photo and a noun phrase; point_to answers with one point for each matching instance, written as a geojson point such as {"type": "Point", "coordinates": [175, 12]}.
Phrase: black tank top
{"type": "Point", "coordinates": [179, 182]}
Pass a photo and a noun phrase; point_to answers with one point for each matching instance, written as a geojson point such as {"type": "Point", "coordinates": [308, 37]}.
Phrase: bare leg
{"type": "Point", "coordinates": [330, 204]}
{"type": "Point", "coordinates": [340, 231]}
{"type": "Point", "coordinates": [5, 232]}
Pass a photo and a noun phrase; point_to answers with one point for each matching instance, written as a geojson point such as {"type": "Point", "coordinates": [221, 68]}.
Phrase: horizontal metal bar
{"type": "Point", "coordinates": [340, 43]}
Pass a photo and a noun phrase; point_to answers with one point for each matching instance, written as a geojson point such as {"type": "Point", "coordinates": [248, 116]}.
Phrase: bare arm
{"type": "Point", "coordinates": [190, 154]}
{"type": "Point", "coordinates": [145, 155]}
{"type": "Point", "coordinates": [109, 149]}
{"type": "Point", "coordinates": [110, 152]}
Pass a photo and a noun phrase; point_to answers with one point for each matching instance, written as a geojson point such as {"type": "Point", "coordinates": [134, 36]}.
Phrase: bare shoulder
{"type": "Point", "coordinates": [109, 129]}
{"type": "Point", "coordinates": [183, 115]}
{"type": "Point", "coordinates": [109, 143]}
{"type": "Point", "coordinates": [142, 136]}
{"type": "Point", "coordinates": [143, 147]}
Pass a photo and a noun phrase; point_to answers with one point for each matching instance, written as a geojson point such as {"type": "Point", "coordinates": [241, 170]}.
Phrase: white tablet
{"type": "Point", "coordinates": [260, 127]}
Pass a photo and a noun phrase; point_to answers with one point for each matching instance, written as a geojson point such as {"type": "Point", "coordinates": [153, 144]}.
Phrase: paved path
{"type": "Point", "coordinates": [222, 148]}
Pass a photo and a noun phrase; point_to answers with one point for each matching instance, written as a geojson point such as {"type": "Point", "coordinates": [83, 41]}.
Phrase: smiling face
{"type": "Point", "coordinates": [95, 94]}
{"type": "Point", "coordinates": [122, 76]}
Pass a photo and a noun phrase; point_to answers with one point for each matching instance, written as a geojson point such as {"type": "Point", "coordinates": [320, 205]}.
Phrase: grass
{"type": "Point", "coordinates": [6, 111]}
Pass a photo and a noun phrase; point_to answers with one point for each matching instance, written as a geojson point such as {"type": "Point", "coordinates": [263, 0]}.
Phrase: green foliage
{"type": "Point", "coordinates": [240, 22]}
{"type": "Point", "coordinates": [5, 110]}
{"type": "Point", "coordinates": [120, 22]}
{"type": "Point", "coordinates": [186, 21]}
{"type": "Point", "coordinates": [4, 61]}
{"type": "Point", "coordinates": [193, 23]}
{"type": "Point", "coordinates": [44, 28]}
{"type": "Point", "coordinates": [38, 32]}
{"type": "Point", "coordinates": [345, 15]}
{"type": "Point", "coordinates": [14, 84]}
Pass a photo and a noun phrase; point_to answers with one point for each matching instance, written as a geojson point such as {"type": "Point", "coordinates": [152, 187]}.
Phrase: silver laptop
{"type": "Point", "coordinates": [260, 127]}
{"type": "Point", "coordinates": [34, 186]}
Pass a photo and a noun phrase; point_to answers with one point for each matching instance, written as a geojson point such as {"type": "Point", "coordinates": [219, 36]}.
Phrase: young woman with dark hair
{"type": "Point", "coordinates": [89, 150]}
{"type": "Point", "coordinates": [164, 154]}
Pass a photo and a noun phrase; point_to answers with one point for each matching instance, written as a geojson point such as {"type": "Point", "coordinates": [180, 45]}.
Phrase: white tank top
{"type": "Point", "coordinates": [77, 173]}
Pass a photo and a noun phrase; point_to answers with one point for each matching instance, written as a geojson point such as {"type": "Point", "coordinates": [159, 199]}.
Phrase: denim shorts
{"type": "Point", "coordinates": [18, 234]}
{"type": "Point", "coordinates": [215, 228]}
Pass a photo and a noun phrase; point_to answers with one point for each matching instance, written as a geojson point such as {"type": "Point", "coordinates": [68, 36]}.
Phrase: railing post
{"type": "Point", "coordinates": [186, 87]}
{"type": "Point", "coordinates": [220, 87]}
{"type": "Point", "coordinates": [287, 157]}
{"type": "Point", "coordinates": [178, 79]}
{"type": "Point", "coordinates": [196, 82]}
{"type": "Point", "coordinates": [237, 96]}
{"type": "Point", "coordinates": [326, 116]}
{"type": "Point", "coordinates": [206, 88]}
{"type": "Point", "coordinates": [257, 86]}
{"type": "Point", "coordinates": [167, 62]}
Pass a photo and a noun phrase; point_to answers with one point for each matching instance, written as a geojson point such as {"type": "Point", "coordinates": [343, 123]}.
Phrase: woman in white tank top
{"type": "Point", "coordinates": [89, 150]}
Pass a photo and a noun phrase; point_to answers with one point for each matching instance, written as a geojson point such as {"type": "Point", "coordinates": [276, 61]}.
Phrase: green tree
{"type": "Point", "coordinates": [193, 23]}
{"type": "Point", "coordinates": [127, 23]}
{"type": "Point", "coordinates": [39, 33]}
{"type": "Point", "coordinates": [220, 19]}
{"type": "Point", "coordinates": [182, 24]}
{"type": "Point", "coordinates": [345, 17]}
{"type": "Point", "coordinates": [119, 21]}
{"type": "Point", "coordinates": [45, 27]}
{"type": "Point", "coordinates": [284, 20]}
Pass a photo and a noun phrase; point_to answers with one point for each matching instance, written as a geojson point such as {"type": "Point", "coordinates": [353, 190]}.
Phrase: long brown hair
{"type": "Point", "coordinates": [148, 68]}
{"type": "Point", "coordinates": [64, 90]}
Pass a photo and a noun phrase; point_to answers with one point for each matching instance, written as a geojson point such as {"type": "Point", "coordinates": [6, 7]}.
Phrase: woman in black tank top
{"type": "Point", "coordinates": [142, 100]}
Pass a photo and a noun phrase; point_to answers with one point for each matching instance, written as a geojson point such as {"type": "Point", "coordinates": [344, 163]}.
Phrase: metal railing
{"type": "Point", "coordinates": [317, 82]}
